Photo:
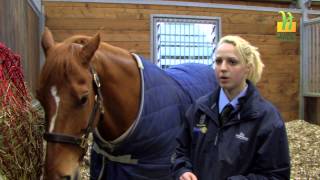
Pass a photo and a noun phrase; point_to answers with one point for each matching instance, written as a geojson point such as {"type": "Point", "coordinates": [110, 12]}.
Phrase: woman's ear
{"type": "Point", "coordinates": [249, 67]}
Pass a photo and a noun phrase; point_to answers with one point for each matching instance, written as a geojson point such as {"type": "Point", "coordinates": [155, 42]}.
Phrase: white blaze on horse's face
{"type": "Point", "coordinates": [56, 97]}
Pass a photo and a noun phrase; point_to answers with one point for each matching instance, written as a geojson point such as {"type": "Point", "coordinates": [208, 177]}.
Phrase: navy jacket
{"type": "Point", "coordinates": [251, 145]}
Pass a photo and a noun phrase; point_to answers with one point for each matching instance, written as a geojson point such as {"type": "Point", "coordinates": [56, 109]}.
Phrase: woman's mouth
{"type": "Point", "coordinates": [224, 78]}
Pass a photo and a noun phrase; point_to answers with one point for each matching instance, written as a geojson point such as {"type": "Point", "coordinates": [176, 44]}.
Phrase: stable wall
{"type": "Point", "coordinates": [20, 31]}
{"type": "Point", "coordinates": [128, 26]}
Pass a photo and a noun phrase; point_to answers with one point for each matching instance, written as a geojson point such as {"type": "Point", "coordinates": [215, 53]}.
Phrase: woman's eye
{"type": "Point", "coordinates": [218, 61]}
{"type": "Point", "coordinates": [232, 61]}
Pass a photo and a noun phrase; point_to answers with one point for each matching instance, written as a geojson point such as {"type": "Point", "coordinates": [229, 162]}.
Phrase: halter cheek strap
{"type": "Point", "coordinates": [82, 141]}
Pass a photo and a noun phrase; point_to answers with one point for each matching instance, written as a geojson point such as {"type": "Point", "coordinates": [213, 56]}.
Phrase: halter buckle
{"type": "Point", "coordinates": [96, 79]}
{"type": "Point", "coordinates": [84, 142]}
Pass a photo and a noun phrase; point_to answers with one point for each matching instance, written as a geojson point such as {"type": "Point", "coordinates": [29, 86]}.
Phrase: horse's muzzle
{"type": "Point", "coordinates": [76, 176]}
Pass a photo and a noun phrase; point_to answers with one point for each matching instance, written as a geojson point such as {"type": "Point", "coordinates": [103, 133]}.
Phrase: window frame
{"type": "Point", "coordinates": [153, 29]}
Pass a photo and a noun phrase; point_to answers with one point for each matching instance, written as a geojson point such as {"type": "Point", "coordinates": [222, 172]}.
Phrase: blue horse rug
{"type": "Point", "coordinates": [144, 151]}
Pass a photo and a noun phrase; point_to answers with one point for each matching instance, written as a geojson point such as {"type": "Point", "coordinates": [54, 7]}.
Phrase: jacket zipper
{"type": "Point", "coordinates": [219, 129]}
{"type": "Point", "coordinates": [217, 137]}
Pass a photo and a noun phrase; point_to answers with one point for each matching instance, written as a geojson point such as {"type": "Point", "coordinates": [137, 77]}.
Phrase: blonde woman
{"type": "Point", "coordinates": [233, 133]}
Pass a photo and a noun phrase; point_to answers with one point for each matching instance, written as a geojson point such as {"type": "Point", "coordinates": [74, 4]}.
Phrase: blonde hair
{"type": "Point", "coordinates": [249, 55]}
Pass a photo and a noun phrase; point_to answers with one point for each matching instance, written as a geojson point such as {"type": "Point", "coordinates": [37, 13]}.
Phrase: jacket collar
{"type": "Point", "coordinates": [248, 104]}
{"type": "Point", "coordinates": [208, 104]}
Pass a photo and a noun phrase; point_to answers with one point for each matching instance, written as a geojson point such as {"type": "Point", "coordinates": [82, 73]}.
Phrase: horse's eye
{"type": "Point", "coordinates": [83, 100]}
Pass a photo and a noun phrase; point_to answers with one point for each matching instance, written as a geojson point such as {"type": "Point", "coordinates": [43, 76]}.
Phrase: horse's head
{"type": "Point", "coordinates": [67, 93]}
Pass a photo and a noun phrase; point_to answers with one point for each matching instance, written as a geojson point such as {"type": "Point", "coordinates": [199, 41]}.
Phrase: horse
{"type": "Point", "coordinates": [133, 108]}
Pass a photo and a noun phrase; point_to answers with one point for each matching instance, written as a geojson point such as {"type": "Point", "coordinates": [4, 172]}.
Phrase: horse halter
{"type": "Point", "coordinates": [82, 141]}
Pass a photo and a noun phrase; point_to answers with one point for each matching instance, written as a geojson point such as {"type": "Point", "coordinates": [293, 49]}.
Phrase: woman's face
{"type": "Point", "coordinates": [229, 69]}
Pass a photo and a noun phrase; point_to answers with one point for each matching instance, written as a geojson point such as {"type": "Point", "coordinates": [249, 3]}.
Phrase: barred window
{"type": "Point", "coordinates": [184, 39]}
{"type": "Point", "coordinates": [311, 58]}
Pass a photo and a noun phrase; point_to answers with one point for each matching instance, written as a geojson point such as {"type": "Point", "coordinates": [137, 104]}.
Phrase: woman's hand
{"type": "Point", "coordinates": [188, 176]}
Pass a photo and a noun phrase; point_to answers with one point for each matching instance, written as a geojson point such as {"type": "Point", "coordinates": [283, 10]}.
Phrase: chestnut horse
{"type": "Point", "coordinates": [90, 86]}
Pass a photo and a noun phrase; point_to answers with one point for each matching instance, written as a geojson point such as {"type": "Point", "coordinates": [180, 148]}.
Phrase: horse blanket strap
{"type": "Point", "coordinates": [126, 159]}
{"type": "Point", "coordinates": [138, 60]}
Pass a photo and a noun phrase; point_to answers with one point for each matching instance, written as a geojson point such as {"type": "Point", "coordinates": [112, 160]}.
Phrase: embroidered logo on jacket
{"type": "Point", "coordinates": [200, 128]}
{"type": "Point", "coordinates": [241, 136]}
{"type": "Point", "coordinates": [202, 124]}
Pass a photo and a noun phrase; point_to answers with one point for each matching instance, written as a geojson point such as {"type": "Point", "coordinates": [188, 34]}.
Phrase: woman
{"type": "Point", "coordinates": [233, 133]}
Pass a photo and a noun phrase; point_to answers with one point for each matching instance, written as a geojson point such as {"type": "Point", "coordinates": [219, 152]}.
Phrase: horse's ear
{"type": "Point", "coordinates": [90, 48]}
{"type": "Point", "coordinates": [47, 40]}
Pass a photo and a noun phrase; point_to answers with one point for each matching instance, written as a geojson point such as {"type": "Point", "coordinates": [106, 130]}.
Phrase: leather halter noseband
{"type": "Point", "coordinates": [82, 141]}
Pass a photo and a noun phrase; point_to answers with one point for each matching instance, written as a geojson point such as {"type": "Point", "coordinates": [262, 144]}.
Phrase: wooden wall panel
{"type": "Point", "coordinates": [20, 32]}
{"type": "Point", "coordinates": [312, 109]}
{"type": "Point", "coordinates": [32, 62]}
{"type": "Point", "coordinates": [263, 3]}
{"type": "Point", "coordinates": [128, 26]}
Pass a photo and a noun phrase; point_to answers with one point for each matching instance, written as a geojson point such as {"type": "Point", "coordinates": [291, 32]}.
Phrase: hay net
{"type": "Point", "coordinates": [20, 122]}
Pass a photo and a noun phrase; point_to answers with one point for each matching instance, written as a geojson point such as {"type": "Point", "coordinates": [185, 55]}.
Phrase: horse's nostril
{"type": "Point", "coordinates": [77, 175]}
{"type": "Point", "coordinates": [83, 100]}
{"type": "Point", "coordinates": [65, 177]}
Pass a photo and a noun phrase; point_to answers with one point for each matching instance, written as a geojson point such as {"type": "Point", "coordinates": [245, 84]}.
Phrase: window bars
{"type": "Point", "coordinates": [184, 39]}
{"type": "Point", "coordinates": [311, 58]}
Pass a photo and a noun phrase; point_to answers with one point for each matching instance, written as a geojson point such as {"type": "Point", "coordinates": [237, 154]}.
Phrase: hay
{"type": "Point", "coordinates": [21, 143]}
{"type": "Point", "coordinates": [21, 129]}
{"type": "Point", "coordinates": [304, 145]}
{"type": "Point", "coordinates": [85, 164]}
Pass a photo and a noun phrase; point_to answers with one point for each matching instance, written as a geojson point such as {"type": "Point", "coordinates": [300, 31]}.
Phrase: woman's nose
{"type": "Point", "coordinates": [223, 65]}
